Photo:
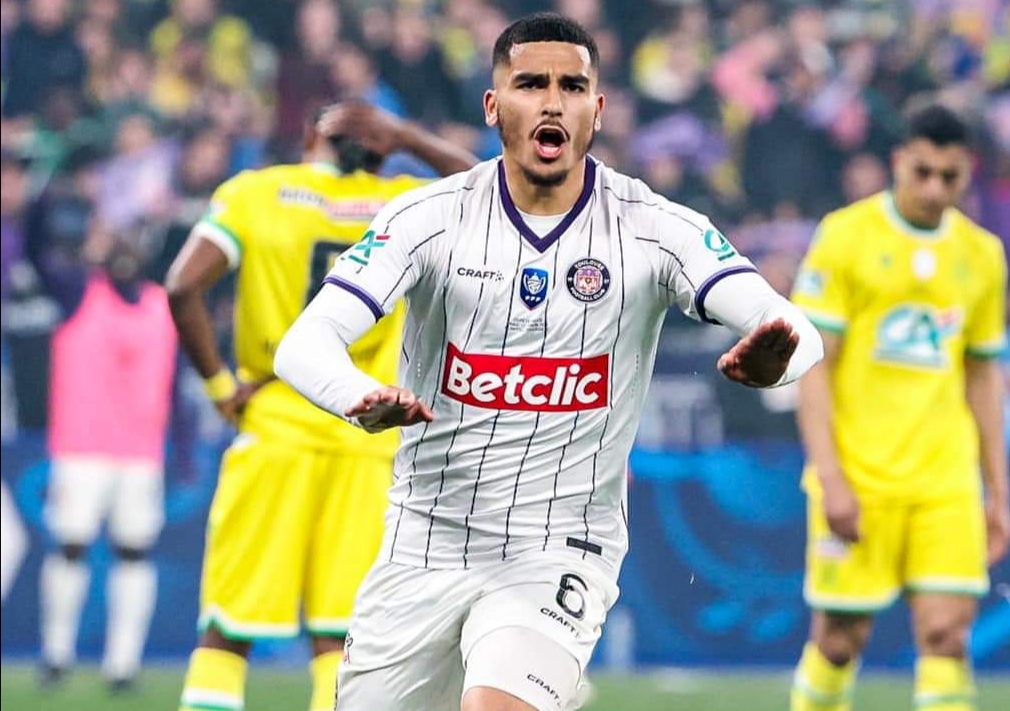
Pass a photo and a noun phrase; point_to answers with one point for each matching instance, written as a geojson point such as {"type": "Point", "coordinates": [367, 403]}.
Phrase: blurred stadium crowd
{"type": "Point", "coordinates": [124, 115]}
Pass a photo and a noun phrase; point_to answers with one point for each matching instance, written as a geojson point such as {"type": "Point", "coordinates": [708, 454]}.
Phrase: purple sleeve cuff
{"type": "Point", "coordinates": [365, 297]}
{"type": "Point", "coordinates": [706, 286]}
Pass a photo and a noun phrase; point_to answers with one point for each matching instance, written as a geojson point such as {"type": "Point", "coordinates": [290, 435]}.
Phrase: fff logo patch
{"type": "Point", "coordinates": [362, 251]}
{"type": "Point", "coordinates": [716, 241]}
{"type": "Point", "coordinates": [533, 286]}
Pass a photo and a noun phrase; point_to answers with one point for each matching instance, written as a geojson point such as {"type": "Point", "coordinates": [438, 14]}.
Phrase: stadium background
{"type": "Point", "coordinates": [125, 114]}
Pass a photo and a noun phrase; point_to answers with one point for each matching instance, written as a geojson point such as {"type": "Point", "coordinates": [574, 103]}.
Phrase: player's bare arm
{"type": "Point", "coordinates": [333, 382]}
{"type": "Point", "coordinates": [199, 266]}
{"type": "Point", "coordinates": [984, 388]}
{"type": "Point", "coordinates": [382, 132]}
{"type": "Point", "coordinates": [841, 508]}
{"type": "Point", "coordinates": [777, 345]}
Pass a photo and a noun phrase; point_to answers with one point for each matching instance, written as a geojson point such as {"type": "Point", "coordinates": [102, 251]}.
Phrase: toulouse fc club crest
{"type": "Point", "coordinates": [588, 280]}
{"type": "Point", "coordinates": [533, 287]}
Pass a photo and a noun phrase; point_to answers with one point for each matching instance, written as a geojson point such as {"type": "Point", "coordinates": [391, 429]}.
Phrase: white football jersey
{"type": "Point", "coordinates": [534, 351]}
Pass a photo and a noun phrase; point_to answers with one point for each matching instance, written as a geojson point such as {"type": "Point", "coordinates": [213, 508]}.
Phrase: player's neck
{"type": "Point", "coordinates": [902, 208]}
{"type": "Point", "coordinates": [536, 199]}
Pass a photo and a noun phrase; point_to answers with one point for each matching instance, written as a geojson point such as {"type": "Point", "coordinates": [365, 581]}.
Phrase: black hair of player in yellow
{"type": "Point", "coordinates": [350, 154]}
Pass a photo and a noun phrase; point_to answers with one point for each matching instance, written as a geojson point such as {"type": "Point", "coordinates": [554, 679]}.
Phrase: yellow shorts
{"type": "Point", "coordinates": [290, 531]}
{"type": "Point", "coordinates": [934, 546]}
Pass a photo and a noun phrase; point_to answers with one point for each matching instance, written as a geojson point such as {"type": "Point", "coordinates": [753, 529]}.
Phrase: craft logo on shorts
{"type": "Point", "coordinates": [588, 280]}
{"type": "Point", "coordinates": [533, 287]}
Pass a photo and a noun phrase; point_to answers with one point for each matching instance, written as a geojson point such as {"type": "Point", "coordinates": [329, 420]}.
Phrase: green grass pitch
{"type": "Point", "coordinates": [271, 689]}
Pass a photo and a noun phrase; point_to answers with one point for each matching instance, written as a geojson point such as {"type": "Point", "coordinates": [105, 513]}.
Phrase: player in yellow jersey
{"type": "Point", "coordinates": [900, 418]}
{"type": "Point", "coordinates": [297, 517]}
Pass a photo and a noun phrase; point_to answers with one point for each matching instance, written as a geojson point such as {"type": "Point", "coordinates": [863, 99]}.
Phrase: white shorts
{"type": "Point", "coordinates": [85, 490]}
{"type": "Point", "coordinates": [527, 626]}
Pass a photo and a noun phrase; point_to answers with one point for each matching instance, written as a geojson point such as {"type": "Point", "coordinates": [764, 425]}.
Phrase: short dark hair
{"type": "Point", "coordinates": [543, 27]}
{"type": "Point", "coordinates": [351, 154]}
{"type": "Point", "coordinates": [937, 124]}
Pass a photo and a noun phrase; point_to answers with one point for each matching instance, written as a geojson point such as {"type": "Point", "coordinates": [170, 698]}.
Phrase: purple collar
{"type": "Point", "coordinates": [541, 244]}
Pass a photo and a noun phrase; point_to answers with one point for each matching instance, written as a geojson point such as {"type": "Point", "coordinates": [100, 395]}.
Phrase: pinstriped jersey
{"type": "Point", "coordinates": [534, 352]}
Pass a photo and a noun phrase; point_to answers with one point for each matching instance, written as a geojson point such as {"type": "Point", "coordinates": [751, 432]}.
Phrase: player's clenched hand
{"type": "Point", "coordinates": [997, 520]}
{"type": "Point", "coordinates": [389, 407]}
{"type": "Point", "coordinates": [760, 358]}
{"type": "Point", "coordinates": [841, 508]}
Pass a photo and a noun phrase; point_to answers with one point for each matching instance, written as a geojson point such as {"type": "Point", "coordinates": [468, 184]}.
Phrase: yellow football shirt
{"type": "Point", "coordinates": [910, 304]}
{"type": "Point", "coordinates": [283, 227]}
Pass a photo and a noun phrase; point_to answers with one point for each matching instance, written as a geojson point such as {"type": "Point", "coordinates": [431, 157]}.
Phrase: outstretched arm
{"type": "Point", "coordinates": [778, 343]}
{"type": "Point", "coordinates": [333, 382]}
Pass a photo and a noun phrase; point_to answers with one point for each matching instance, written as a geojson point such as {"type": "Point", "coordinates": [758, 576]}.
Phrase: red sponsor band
{"type": "Point", "coordinates": [526, 383]}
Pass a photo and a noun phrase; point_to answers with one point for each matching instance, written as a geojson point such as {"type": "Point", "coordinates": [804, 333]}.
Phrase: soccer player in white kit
{"type": "Point", "coordinates": [536, 286]}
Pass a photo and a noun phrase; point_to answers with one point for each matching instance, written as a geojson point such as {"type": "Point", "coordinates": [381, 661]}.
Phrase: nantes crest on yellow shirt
{"type": "Point", "coordinates": [910, 304]}
{"type": "Point", "coordinates": [283, 227]}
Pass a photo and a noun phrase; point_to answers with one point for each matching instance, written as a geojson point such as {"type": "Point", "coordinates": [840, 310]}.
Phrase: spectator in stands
{"type": "Point", "coordinates": [416, 68]}
{"type": "Point", "coordinates": [136, 182]}
{"type": "Point", "coordinates": [195, 46]}
{"type": "Point", "coordinates": [303, 74]}
{"type": "Point", "coordinates": [864, 174]}
{"type": "Point", "coordinates": [354, 76]}
{"type": "Point", "coordinates": [13, 199]}
{"type": "Point", "coordinates": [42, 55]}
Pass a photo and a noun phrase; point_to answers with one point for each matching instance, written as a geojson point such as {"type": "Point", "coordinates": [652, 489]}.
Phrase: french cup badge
{"type": "Point", "coordinates": [533, 286]}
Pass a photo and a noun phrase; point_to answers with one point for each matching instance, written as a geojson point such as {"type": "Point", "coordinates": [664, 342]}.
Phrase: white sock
{"type": "Point", "coordinates": [64, 589]}
{"type": "Point", "coordinates": [130, 591]}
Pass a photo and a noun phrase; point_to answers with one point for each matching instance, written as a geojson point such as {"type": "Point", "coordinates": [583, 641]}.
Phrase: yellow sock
{"type": "Point", "coordinates": [819, 685]}
{"type": "Point", "coordinates": [215, 681]}
{"type": "Point", "coordinates": [324, 681]}
{"type": "Point", "coordinates": [944, 684]}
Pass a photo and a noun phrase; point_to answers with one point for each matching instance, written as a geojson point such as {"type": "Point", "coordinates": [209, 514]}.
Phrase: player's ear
{"type": "Point", "coordinates": [601, 104]}
{"type": "Point", "coordinates": [490, 108]}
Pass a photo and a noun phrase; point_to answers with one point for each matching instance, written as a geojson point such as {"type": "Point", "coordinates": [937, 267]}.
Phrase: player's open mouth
{"type": "Point", "coordinates": [548, 141]}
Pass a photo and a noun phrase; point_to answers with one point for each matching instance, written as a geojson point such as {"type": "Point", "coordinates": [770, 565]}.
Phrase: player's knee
{"type": "Point", "coordinates": [842, 638]}
{"type": "Point", "coordinates": [73, 551]}
{"type": "Point", "coordinates": [841, 645]}
{"type": "Point", "coordinates": [213, 638]}
{"type": "Point", "coordinates": [944, 638]}
{"type": "Point", "coordinates": [131, 555]}
{"type": "Point", "coordinates": [839, 651]}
